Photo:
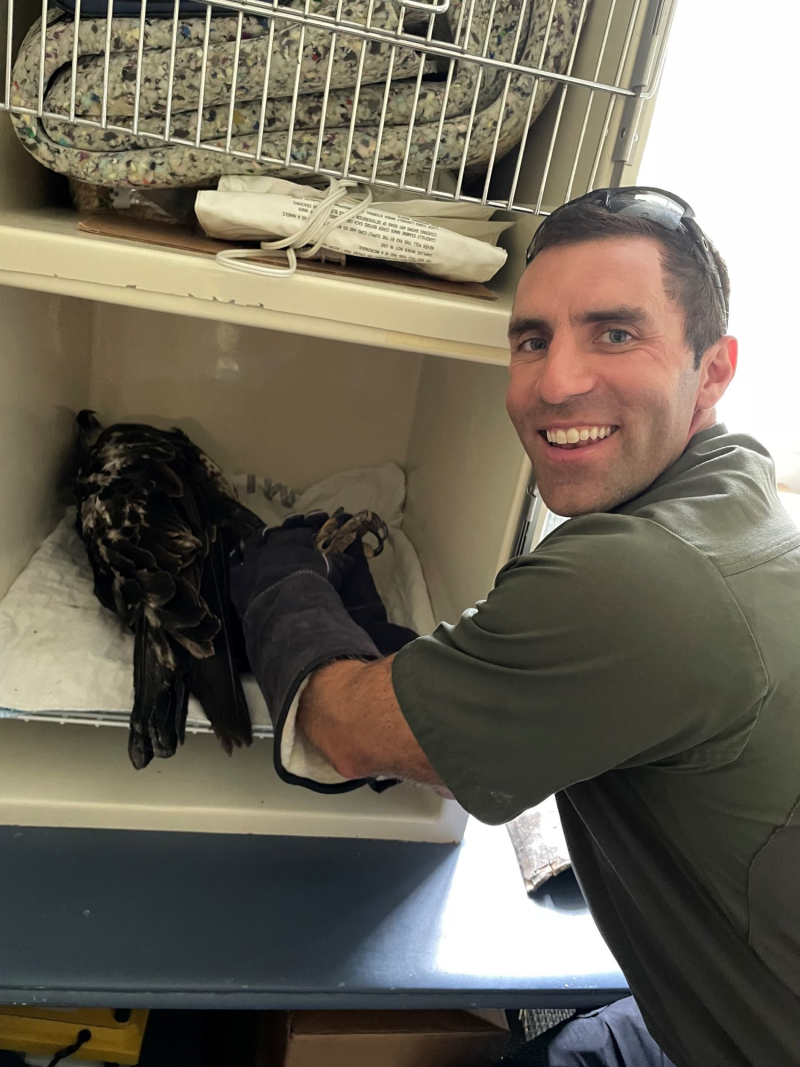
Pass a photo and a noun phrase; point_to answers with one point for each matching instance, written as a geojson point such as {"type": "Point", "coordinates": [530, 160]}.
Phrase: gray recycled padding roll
{"type": "Point", "coordinates": [109, 158]}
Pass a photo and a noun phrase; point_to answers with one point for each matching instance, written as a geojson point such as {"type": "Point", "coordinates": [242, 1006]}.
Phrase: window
{"type": "Point", "coordinates": [724, 137]}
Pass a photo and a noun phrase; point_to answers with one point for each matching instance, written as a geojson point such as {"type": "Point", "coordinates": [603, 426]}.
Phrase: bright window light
{"type": "Point", "coordinates": [724, 137]}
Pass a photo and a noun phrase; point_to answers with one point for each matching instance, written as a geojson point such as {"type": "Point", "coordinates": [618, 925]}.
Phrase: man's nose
{"type": "Point", "coordinates": [566, 373]}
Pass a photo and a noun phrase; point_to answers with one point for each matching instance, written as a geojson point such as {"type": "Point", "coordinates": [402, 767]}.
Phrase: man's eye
{"type": "Point", "coordinates": [534, 344]}
{"type": "Point", "coordinates": [617, 336]}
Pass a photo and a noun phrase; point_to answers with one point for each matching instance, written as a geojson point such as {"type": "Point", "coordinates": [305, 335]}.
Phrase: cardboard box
{"type": "Point", "coordinates": [384, 1039]}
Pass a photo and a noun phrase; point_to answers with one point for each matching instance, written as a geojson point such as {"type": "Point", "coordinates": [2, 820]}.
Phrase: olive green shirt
{"type": "Point", "coordinates": [645, 665]}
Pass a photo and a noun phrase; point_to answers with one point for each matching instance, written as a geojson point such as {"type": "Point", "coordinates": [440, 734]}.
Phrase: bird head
{"type": "Point", "coordinates": [89, 429]}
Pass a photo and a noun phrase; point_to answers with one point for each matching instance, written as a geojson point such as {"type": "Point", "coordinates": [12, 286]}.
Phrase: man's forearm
{"type": "Point", "coordinates": [349, 712]}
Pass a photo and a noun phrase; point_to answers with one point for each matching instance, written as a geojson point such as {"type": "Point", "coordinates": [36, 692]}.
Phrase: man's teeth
{"type": "Point", "coordinates": [575, 434]}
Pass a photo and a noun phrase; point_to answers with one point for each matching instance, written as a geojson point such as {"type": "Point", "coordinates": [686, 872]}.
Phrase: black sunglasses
{"type": "Point", "coordinates": [657, 205]}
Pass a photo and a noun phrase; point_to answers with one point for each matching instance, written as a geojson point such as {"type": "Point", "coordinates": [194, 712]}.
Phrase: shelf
{"type": "Point", "coordinates": [90, 783]}
{"type": "Point", "coordinates": [42, 249]}
{"type": "Point", "coordinates": [196, 722]}
{"type": "Point", "coordinates": [67, 668]}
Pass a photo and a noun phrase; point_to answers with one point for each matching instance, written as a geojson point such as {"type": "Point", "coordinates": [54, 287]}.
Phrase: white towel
{"type": "Point", "coordinates": [64, 657]}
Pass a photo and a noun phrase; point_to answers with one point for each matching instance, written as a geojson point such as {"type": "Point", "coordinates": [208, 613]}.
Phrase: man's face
{"type": "Point", "coordinates": [599, 360]}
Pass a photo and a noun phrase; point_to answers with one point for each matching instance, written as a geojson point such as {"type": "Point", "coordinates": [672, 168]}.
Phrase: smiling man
{"type": "Point", "coordinates": [609, 380]}
{"type": "Point", "coordinates": [641, 663]}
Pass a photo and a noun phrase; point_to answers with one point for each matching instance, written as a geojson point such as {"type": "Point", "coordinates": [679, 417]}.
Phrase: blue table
{"type": "Point", "coordinates": [160, 920]}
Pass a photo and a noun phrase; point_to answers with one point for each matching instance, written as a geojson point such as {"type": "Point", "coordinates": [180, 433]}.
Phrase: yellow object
{"type": "Point", "coordinates": [47, 1031]}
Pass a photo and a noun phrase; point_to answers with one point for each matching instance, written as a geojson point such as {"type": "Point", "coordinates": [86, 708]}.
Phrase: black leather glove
{"type": "Point", "coordinates": [294, 621]}
{"type": "Point", "coordinates": [361, 598]}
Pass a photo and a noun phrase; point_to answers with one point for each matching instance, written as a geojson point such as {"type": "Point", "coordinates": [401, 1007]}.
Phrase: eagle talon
{"type": "Point", "coordinates": [341, 529]}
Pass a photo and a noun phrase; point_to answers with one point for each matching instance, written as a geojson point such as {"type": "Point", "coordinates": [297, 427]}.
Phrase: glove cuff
{"type": "Point", "coordinates": [299, 626]}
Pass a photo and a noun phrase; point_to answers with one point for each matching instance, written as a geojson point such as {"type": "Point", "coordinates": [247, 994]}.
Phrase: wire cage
{"type": "Point", "coordinates": [517, 104]}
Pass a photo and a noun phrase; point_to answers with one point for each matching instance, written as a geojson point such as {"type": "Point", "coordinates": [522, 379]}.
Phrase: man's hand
{"type": "Point", "coordinates": [275, 553]}
{"type": "Point", "coordinates": [293, 619]}
{"type": "Point", "coordinates": [295, 623]}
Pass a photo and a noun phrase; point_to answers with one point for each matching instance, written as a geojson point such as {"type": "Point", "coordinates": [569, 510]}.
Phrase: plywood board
{"type": "Point", "coordinates": [185, 239]}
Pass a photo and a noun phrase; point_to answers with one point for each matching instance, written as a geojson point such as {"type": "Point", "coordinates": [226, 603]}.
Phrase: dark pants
{"type": "Point", "coordinates": [608, 1037]}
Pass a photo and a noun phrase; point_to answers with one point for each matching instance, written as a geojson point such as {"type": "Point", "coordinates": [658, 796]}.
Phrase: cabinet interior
{"type": "Point", "coordinates": [291, 407]}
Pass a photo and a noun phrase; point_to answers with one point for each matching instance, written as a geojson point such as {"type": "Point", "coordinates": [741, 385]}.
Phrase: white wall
{"type": "Point", "coordinates": [466, 482]}
{"type": "Point", "coordinates": [724, 137]}
{"type": "Point", "coordinates": [294, 408]}
{"type": "Point", "coordinates": [44, 380]}
{"type": "Point", "coordinates": [298, 409]}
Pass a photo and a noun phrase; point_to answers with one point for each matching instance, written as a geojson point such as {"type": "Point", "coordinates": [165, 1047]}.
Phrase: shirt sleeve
{"type": "Point", "coordinates": [614, 644]}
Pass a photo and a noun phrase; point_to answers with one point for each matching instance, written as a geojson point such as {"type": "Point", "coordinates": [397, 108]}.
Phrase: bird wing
{"type": "Point", "coordinates": [150, 508]}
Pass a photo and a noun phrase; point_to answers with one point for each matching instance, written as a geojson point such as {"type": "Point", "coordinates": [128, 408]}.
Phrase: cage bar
{"type": "Point", "coordinates": [560, 113]}
{"type": "Point", "coordinates": [137, 97]}
{"type": "Point", "coordinates": [384, 107]}
{"type": "Point", "coordinates": [234, 78]}
{"type": "Point", "coordinates": [476, 93]}
{"type": "Point", "coordinates": [447, 87]}
{"type": "Point", "coordinates": [578, 153]}
{"type": "Point", "coordinates": [415, 102]}
{"type": "Point", "coordinates": [623, 59]}
{"type": "Point", "coordinates": [502, 109]}
{"type": "Point", "coordinates": [265, 89]}
{"type": "Point", "coordinates": [9, 53]}
{"type": "Point", "coordinates": [75, 42]}
{"type": "Point", "coordinates": [589, 102]}
{"type": "Point", "coordinates": [327, 89]}
{"type": "Point", "coordinates": [171, 73]}
{"type": "Point", "coordinates": [301, 44]}
{"type": "Point", "coordinates": [106, 62]}
{"type": "Point", "coordinates": [203, 72]}
{"type": "Point", "coordinates": [531, 105]}
{"type": "Point", "coordinates": [357, 95]}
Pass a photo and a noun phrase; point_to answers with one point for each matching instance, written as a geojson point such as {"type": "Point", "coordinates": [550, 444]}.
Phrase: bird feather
{"type": "Point", "coordinates": [157, 517]}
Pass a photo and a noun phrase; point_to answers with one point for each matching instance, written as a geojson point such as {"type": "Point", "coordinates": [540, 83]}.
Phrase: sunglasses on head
{"type": "Point", "coordinates": [657, 205]}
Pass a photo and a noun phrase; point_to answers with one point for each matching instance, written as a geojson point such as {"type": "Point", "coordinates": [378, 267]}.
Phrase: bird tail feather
{"type": "Point", "coordinates": [215, 681]}
{"type": "Point", "coordinates": [157, 721]}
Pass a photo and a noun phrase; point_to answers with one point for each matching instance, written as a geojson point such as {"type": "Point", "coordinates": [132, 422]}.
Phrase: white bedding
{"type": "Point", "coordinates": [64, 657]}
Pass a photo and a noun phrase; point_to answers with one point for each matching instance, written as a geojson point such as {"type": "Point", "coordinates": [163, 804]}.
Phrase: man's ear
{"type": "Point", "coordinates": [717, 369]}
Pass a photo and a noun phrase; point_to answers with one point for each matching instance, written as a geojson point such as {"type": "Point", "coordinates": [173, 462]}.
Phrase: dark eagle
{"type": "Point", "coordinates": [159, 520]}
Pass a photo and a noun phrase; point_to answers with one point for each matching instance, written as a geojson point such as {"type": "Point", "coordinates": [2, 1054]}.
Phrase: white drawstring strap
{"type": "Point", "coordinates": [307, 241]}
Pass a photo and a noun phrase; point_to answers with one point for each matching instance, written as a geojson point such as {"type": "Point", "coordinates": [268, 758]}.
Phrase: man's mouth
{"type": "Point", "coordinates": [572, 437]}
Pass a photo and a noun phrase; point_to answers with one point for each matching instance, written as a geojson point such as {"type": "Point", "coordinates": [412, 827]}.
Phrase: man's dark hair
{"type": "Point", "coordinates": [687, 276]}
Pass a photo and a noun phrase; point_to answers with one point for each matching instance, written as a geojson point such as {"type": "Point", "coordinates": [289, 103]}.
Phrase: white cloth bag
{"type": "Point", "coordinates": [255, 209]}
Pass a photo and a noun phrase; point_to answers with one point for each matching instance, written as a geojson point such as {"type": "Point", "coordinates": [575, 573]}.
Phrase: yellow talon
{"type": "Point", "coordinates": [336, 535]}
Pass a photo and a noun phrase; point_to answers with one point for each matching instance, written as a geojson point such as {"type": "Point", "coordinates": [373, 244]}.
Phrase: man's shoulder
{"type": "Point", "coordinates": [614, 544]}
{"type": "Point", "coordinates": [721, 498]}
{"type": "Point", "coordinates": [616, 567]}
{"type": "Point", "coordinates": [623, 590]}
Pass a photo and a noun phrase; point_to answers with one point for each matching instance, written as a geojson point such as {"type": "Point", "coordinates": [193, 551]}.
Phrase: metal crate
{"type": "Point", "coordinates": [405, 56]}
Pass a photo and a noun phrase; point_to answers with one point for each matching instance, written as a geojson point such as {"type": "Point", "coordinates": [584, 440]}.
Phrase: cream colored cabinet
{"type": "Point", "coordinates": [293, 378]}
